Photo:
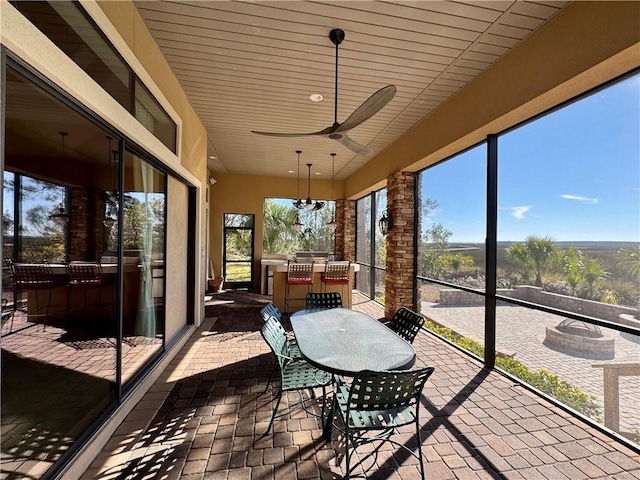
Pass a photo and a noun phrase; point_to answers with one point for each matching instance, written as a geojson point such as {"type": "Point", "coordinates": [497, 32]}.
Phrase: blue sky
{"type": "Point", "coordinates": [573, 175]}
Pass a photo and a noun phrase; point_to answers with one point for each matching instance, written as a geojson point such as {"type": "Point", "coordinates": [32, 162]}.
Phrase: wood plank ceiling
{"type": "Point", "coordinates": [252, 66]}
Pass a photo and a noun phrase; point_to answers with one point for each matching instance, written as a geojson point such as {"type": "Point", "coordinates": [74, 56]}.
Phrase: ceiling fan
{"type": "Point", "coordinates": [338, 131]}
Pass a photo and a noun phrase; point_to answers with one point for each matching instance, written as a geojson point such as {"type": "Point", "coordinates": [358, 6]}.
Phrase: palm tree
{"type": "Point", "coordinates": [630, 262]}
{"type": "Point", "coordinates": [279, 236]}
{"type": "Point", "coordinates": [517, 255]}
{"type": "Point", "coordinates": [572, 266]}
{"type": "Point", "coordinates": [542, 253]}
{"type": "Point", "coordinates": [592, 271]}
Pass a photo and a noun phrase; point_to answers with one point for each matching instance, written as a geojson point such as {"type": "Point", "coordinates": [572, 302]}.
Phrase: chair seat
{"type": "Point", "coordinates": [298, 374]}
{"type": "Point", "coordinates": [300, 281]}
{"type": "Point", "coordinates": [373, 419]}
{"type": "Point", "coordinates": [335, 281]}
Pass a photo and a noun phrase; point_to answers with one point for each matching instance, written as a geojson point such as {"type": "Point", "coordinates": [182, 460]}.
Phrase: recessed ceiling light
{"type": "Point", "coordinates": [318, 173]}
{"type": "Point", "coordinates": [211, 157]}
{"type": "Point", "coordinates": [316, 97]}
{"type": "Point", "coordinates": [291, 171]}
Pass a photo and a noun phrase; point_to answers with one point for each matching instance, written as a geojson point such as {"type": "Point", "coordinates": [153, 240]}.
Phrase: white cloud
{"type": "Point", "coordinates": [519, 212]}
{"type": "Point", "coordinates": [579, 198]}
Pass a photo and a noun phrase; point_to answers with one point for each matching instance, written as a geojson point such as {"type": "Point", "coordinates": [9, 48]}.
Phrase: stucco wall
{"type": "Point", "coordinates": [176, 259]}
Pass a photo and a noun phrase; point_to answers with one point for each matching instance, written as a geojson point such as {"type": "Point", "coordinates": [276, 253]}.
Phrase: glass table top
{"type": "Point", "coordinates": [344, 342]}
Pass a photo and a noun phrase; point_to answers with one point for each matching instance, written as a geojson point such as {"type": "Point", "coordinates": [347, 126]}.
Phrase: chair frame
{"type": "Point", "coordinates": [297, 274]}
{"type": "Point", "coordinates": [323, 300]}
{"type": "Point", "coordinates": [35, 277]}
{"type": "Point", "coordinates": [7, 314]}
{"type": "Point", "coordinates": [87, 275]}
{"type": "Point", "coordinates": [380, 401]}
{"type": "Point", "coordinates": [295, 373]}
{"type": "Point", "coordinates": [406, 323]}
{"type": "Point", "coordinates": [270, 310]}
{"type": "Point", "coordinates": [336, 273]}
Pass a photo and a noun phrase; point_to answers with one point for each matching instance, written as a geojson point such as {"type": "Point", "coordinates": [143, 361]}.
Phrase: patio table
{"type": "Point", "coordinates": [344, 342]}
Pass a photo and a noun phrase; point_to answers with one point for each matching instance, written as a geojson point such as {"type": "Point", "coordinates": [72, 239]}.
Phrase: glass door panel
{"type": "Point", "coordinates": [238, 251]}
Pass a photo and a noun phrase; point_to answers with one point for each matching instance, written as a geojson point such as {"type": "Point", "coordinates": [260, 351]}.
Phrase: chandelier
{"type": "Point", "coordinates": [59, 215]}
{"type": "Point", "coordinates": [298, 203]}
{"type": "Point", "coordinates": [310, 204]}
{"type": "Point", "coordinates": [332, 223]}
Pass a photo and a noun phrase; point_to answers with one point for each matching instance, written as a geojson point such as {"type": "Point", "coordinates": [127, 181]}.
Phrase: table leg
{"type": "Point", "coordinates": [328, 423]}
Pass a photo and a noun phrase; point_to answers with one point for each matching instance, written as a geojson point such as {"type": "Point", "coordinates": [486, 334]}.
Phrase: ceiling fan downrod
{"type": "Point", "coordinates": [336, 36]}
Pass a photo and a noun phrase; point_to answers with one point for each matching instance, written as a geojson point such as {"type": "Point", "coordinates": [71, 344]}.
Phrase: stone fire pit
{"type": "Point", "coordinates": [582, 338]}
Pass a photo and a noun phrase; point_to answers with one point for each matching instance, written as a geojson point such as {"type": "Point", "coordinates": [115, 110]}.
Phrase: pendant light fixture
{"type": "Point", "coordinates": [298, 226]}
{"type": "Point", "coordinates": [310, 204]}
{"type": "Point", "coordinates": [332, 223]}
{"type": "Point", "coordinates": [298, 201]}
{"type": "Point", "coordinates": [59, 214]}
{"type": "Point", "coordinates": [110, 200]}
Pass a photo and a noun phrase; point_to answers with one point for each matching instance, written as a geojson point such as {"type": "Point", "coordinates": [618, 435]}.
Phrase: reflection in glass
{"type": "Point", "coordinates": [144, 222]}
{"type": "Point", "coordinates": [59, 353]}
{"type": "Point", "coordinates": [68, 26]}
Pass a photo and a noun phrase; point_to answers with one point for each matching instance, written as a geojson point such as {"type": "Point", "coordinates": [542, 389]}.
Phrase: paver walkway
{"type": "Point", "coordinates": [521, 331]}
{"type": "Point", "coordinates": [205, 418]}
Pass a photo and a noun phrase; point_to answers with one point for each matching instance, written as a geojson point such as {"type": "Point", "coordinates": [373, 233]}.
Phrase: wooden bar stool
{"type": "Point", "coordinates": [297, 274]}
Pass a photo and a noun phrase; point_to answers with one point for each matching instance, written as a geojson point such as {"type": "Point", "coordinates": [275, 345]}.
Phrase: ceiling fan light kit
{"type": "Point", "coordinates": [338, 131]}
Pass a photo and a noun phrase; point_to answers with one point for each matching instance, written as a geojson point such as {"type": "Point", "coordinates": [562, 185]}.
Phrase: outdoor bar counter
{"type": "Point", "coordinates": [298, 292]}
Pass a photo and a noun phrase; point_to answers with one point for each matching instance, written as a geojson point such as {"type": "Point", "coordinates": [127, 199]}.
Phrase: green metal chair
{"type": "Point", "coordinates": [380, 401]}
{"type": "Point", "coordinates": [323, 300]}
{"type": "Point", "coordinates": [406, 323]}
{"type": "Point", "coordinates": [270, 310]}
{"type": "Point", "coordinates": [295, 373]}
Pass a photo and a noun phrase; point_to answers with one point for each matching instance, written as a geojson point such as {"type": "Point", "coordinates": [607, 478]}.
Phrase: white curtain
{"type": "Point", "coordinates": [146, 320]}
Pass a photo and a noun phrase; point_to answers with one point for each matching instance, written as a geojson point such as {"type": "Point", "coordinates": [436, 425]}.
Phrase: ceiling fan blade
{"type": "Point", "coordinates": [369, 108]}
{"type": "Point", "coordinates": [326, 131]}
{"type": "Point", "coordinates": [353, 145]}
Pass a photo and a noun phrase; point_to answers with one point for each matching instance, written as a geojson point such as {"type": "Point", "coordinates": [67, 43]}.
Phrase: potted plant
{"type": "Point", "coordinates": [215, 283]}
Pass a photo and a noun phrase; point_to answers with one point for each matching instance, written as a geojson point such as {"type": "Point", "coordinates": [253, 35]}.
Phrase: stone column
{"type": "Point", "coordinates": [345, 230]}
{"type": "Point", "coordinates": [86, 241]}
{"type": "Point", "coordinates": [400, 274]}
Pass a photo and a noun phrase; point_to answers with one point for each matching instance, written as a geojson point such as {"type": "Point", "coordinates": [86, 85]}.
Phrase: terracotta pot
{"type": "Point", "coordinates": [215, 284]}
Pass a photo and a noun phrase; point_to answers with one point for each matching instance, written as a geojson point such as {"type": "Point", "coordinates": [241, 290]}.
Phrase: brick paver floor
{"type": "Point", "coordinates": [205, 419]}
{"type": "Point", "coordinates": [521, 331]}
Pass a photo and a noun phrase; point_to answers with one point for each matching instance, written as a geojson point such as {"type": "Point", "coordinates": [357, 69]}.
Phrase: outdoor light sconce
{"type": "Point", "coordinates": [385, 223]}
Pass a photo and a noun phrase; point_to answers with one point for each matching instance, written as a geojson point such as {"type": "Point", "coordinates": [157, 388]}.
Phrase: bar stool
{"type": "Point", "coordinates": [35, 277]}
{"type": "Point", "coordinates": [297, 274]}
{"type": "Point", "coordinates": [87, 275]}
{"type": "Point", "coordinates": [336, 273]}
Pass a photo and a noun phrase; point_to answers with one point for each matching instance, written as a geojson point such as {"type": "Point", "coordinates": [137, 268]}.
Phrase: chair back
{"type": "Point", "coordinates": [384, 390]}
{"type": "Point", "coordinates": [270, 310]}
{"type": "Point", "coordinates": [337, 272]}
{"type": "Point", "coordinates": [406, 323]}
{"type": "Point", "coordinates": [32, 276]}
{"type": "Point", "coordinates": [276, 337]}
{"type": "Point", "coordinates": [84, 273]}
{"type": "Point", "coordinates": [323, 300]}
{"type": "Point", "coordinates": [299, 272]}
